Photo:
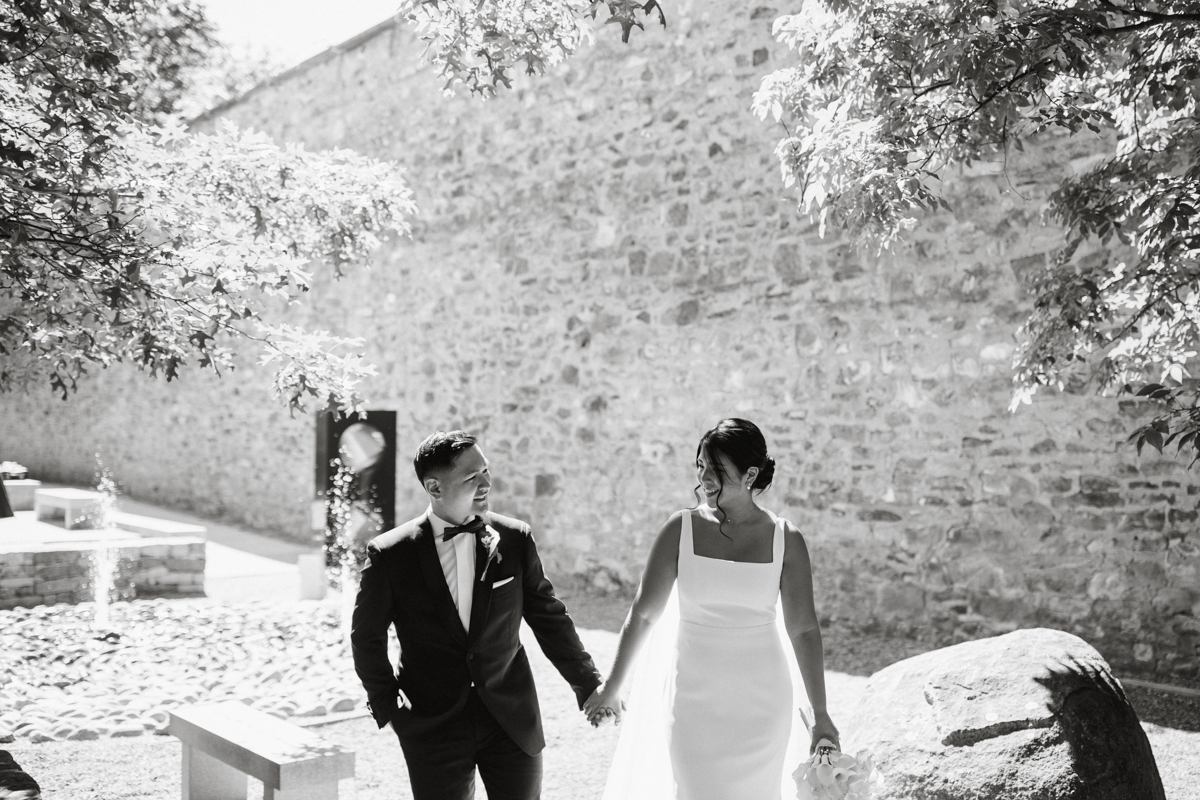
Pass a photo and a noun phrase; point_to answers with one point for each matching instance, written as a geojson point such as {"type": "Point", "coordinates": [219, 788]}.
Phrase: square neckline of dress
{"type": "Point", "coordinates": [692, 537]}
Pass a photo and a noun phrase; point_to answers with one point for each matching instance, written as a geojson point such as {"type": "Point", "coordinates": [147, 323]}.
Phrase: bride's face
{"type": "Point", "coordinates": [710, 480]}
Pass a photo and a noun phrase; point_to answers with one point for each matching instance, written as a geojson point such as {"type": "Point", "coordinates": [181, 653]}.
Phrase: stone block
{"type": "Point", "coordinates": [899, 599]}
{"type": "Point", "coordinates": [1175, 600]}
{"type": "Point", "coordinates": [1056, 484]}
{"type": "Point", "coordinates": [1092, 484]}
{"type": "Point", "coordinates": [1033, 515]}
{"type": "Point", "coordinates": [60, 586]}
{"type": "Point", "coordinates": [10, 584]}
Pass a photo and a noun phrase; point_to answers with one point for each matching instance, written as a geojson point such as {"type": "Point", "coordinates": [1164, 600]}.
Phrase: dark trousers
{"type": "Point", "coordinates": [441, 765]}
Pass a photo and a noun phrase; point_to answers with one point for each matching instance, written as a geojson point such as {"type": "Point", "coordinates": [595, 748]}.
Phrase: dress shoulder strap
{"type": "Point", "coordinates": [778, 540]}
{"type": "Point", "coordinates": [686, 548]}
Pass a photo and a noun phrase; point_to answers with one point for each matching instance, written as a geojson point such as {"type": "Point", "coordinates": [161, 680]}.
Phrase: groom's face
{"type": "Point", "coordinates": [460, 492]}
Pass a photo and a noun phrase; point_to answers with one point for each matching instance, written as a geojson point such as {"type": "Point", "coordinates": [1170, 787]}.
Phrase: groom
{"type": "Point", "coordinates": [456, 583]}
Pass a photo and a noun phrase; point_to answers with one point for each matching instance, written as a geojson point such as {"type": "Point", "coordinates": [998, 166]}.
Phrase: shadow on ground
{"type": "Point", "coordinates": [1166, 709]}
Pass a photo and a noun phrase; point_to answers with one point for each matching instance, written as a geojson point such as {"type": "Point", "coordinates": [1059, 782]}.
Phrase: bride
{"type": "Point", "coordinates": [711, 702]}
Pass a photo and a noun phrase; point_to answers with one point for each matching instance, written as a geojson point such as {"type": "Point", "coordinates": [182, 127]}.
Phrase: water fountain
{"type": "Point", "coordinates": [104, 559]}
{"type": "Point", "coordinates": [112, 556]}
{"type": "Point", "coordinates": [104, 569]}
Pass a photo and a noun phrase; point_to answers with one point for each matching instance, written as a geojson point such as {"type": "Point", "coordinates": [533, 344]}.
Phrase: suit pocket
{"type": "Point", "coordinates": [502, 582]}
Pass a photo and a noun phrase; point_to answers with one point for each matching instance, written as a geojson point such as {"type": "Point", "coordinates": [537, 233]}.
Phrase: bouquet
{"type": "Point", "coordinates": [833, 775]}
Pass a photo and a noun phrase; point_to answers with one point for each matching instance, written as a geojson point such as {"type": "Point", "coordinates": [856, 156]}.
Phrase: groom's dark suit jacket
{"type": "Point", "coordinates": [403, 584]}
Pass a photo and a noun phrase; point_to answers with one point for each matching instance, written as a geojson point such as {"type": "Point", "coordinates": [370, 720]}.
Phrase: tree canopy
{"type": "Point", "coordinates": [479, 45]}
{"type": "Point", "coordinates": [886, 94]}
{"type": "Point", "coordinates": [125, 238]}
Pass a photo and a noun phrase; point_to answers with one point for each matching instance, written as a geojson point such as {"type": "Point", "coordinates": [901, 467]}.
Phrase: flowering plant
{"type": "Point", "coordinates": [12, 470]}
{"type": "Point", "coordinates": [833, 775]}
{"type": "Point", "coordinates": [491, 543]}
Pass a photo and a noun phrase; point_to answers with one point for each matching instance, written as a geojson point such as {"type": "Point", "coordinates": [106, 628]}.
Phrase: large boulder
{"type": "Point", "coordinates": [15, 783]}
{"type": "Point", "coordinates": [1030, 715]}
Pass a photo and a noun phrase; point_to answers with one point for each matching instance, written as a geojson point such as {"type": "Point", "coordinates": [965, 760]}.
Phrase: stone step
{"type": "Point", "coordinates": [153, 526]}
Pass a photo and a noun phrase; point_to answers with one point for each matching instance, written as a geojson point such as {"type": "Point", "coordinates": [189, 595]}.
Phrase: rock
{"type": "Point", "coordinates": [316, 710]}
{"type": "Point", "coordinates": [16, 782]}
{"type": "Point", "coordinates": [83, 735]}
{"type": "Point", "coordinates": [1029, 715]}
{"type": "Point", "coordinates": [341, 705]}
{"type": "Point", "coordinates": [127, 729]}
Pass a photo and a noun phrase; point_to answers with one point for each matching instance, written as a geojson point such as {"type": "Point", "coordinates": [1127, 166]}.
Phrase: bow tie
{"type": "Point", "coordinates": [475, 525]}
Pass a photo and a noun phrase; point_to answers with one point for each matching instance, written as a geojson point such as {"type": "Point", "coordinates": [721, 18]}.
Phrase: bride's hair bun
{"type": "Point", "coordinates": [766, 473]}
{"type": "Point", "coordinates": [742, 443]}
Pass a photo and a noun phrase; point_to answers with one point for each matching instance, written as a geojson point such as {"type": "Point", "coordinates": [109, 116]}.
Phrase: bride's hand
{"type": "Point", "coordinates": [604, 703]}
{"type": "Point", "coordinates": [823, 728]}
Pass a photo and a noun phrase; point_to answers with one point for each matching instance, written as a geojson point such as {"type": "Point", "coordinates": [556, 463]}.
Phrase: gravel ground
{"type": "Point", "coordinates": [63, 679]}
{"type": "Point", "coordinates": [288, 660]}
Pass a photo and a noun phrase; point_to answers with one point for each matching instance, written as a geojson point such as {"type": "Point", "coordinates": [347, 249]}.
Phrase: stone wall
{"type": "Point", "coordinates": [45, 574]}
{"type": "Point", "coordinates": [604, 265]}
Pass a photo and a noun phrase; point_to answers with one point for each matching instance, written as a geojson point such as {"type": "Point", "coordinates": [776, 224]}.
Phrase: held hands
{"type": "Point", "coordinates": [605, 703]}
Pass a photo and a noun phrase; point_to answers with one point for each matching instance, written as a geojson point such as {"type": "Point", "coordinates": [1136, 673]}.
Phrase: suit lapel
{"type": "Point", "coordinates": [431, 566]}
{"type": "Point", "coordinates": [481, 597]}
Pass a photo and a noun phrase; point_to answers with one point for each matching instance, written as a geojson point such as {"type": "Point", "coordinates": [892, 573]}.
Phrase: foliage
{"type": "Point", "coordinates": [887, 93]}
{"type": "Point", "coordinates": [126, 241]}
{"type": "Point", "coordinates": [480, 43]}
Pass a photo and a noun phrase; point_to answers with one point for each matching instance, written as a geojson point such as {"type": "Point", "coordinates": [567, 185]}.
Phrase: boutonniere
{"type": "Point", "coordinates": [491, 544]}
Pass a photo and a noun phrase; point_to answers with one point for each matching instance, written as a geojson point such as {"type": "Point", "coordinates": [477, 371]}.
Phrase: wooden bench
{"type": "Point", "coordinates": [225, 742]}
{"type": "Point", "coordinates": [75, 504]}
{"type": "Point", "coordinates": [153, 526]}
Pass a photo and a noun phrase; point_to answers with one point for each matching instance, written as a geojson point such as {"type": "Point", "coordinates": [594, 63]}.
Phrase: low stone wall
{"type": "Point", "coordinates": [64, 572]}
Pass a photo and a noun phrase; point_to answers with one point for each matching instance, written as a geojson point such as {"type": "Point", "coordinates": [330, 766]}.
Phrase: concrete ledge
{"type": "Point", "coordinates": [21, 493]}
{"type": "Point", "coordinates": [44, 573]}
{"type": "Point", "coordinates": [153, 526]}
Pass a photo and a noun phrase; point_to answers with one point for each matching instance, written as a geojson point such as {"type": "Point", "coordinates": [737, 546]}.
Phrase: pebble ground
{"type": "Point", "coordinates": [62, 678]}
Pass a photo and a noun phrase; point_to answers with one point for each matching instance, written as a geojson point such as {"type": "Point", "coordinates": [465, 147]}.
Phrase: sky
{"type": "Point", "coordinates": [293, 30]}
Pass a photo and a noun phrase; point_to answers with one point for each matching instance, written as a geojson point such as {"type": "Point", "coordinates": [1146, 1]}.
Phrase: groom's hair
{"type": "Point", "coordinates": [439, 450]}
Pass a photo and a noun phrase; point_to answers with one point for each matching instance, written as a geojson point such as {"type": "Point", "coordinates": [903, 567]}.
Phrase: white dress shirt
{"type": "Point", "coordinates": [458, 565]}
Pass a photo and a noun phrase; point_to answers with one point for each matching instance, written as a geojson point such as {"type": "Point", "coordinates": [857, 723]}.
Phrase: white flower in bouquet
{"type": "Point", "coordinates": [833, 775]}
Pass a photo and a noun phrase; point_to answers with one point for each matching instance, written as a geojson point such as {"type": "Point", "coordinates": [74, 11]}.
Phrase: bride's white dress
{"type": "Point", "coordinates": [710, 713]}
